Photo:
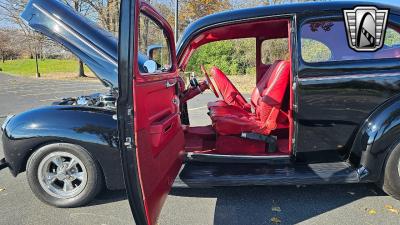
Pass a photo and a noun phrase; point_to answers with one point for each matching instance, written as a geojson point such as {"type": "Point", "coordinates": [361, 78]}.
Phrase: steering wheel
{"type": "Point", "coordinates": [210, 84]}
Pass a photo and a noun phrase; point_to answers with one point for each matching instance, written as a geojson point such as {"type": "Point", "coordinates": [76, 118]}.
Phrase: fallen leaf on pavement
{"type": "Point", "coordinates": [275, 220]}
{"type": "Point", "coordinates": [276, 209]}
{"type": "Point", "coordinates": [371, 211]}
{"type": "Point", "coordinates": [391, 209]}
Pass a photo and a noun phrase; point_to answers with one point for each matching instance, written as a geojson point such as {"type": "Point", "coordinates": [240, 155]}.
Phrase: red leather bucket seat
{"type": "Point", "coordinates": [234, 115]}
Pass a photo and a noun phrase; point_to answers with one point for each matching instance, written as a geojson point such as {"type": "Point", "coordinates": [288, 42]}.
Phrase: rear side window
{"type": "Point", "coordinates": [392, 39]}
{"type": "Point", "coordinates": [274, 49]}
{"type": "Point", "coordinates": [326, 41]}
{"type": "Point", "coordinates": [315, 51]}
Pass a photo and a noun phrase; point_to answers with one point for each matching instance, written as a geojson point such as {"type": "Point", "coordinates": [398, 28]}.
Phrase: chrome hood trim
{"type": "Point", "coordinates": [97, 48]}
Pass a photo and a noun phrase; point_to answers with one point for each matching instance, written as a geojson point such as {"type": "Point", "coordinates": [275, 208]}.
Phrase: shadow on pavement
{"type": "Point", "coordinates": [108, 196]}
{"type": "Point", "coordinates": [253, 205]}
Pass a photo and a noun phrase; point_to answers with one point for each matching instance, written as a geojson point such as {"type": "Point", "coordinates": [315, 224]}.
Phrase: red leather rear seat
{"type": "Point", "coordinates": [266, 100]}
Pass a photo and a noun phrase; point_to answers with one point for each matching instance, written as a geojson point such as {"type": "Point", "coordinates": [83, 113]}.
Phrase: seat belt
{"type": "Point", "coordinates": [270, 140]}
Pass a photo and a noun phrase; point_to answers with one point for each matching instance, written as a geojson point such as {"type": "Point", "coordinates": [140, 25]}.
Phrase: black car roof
{"type": "Point", "coordinates": [243, 14]}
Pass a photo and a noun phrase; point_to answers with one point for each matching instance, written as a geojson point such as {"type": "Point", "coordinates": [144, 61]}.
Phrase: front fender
{"type": "Point", "coordinates": [92, 128]}
{"type": "Point", "coordinates": [373, 141]}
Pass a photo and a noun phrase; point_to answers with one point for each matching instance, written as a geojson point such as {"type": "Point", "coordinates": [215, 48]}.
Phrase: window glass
{"type": "Point", "coordinates": [274, 49]}
{"type": "Point", "coordinates": [315, 51]}
{"type": "Point", "coordinates": [326, 41]}
{"type": "Point", "coordinates": [236, 58]}
{"type": "Point", "coordinates": [392, 38]}
{"type": "Point", "coordinates": [153, 45]}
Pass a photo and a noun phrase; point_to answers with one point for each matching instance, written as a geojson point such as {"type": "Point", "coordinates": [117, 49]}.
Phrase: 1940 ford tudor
{"type": "Point", "coordinates": [326, 116]}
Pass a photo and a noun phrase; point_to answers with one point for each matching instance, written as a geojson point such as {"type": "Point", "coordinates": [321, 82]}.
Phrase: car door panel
{"type": "Point", "coordinates": [154, 157]}
{"type": "Point", "coordinates": [160, 113]}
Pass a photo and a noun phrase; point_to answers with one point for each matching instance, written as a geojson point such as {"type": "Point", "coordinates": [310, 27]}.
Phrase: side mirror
{"type": "Point", "coordinates": [150, 66]}
{"type": "Point", "coordinates": [152, 49]}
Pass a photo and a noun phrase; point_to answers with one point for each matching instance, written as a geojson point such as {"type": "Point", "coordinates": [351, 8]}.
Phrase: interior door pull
{"type": "Point", "coordinates": [168, 84]}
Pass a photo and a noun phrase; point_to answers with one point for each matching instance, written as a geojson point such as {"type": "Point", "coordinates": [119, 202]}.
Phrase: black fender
{"type": "Point", "coordinates": [92, 128]}
{"type": "Point", "coordinates": [373, 142]}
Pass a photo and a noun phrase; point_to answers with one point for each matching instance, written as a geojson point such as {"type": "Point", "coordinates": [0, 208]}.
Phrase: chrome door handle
{"type": "Point", "coordinates": [168, 84]}
{"type": "Point", "coordinates": [176, 101]}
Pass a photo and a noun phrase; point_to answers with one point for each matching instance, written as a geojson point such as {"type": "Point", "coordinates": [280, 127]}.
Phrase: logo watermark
{"type": "Point", "coordinates": [366, 27]}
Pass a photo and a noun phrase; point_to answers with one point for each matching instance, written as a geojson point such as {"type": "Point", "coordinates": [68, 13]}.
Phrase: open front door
{"type": "Point", "coordinates": [151, 136]}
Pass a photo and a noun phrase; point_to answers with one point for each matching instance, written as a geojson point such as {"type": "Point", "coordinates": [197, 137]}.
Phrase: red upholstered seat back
{"type": "Point", "coordinates": [270, 90]}
{"type": "Point", "coordinates": [261, 85]}
{"type": "Point", "coordinates": [267, 99]}
{"type": "Point", "coordinates": [228, 91]}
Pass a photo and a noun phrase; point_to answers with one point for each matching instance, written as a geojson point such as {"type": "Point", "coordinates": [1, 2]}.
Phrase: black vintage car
{"type": "Point", "coordinates": [325, 113]}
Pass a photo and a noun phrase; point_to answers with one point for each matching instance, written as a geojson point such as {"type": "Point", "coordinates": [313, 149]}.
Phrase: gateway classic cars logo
{"type": "Point", "coordinates": [366, 27]}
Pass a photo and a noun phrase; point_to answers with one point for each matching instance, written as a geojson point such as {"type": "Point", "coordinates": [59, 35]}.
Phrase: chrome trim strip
{"type": "Point", "coordinates": [56, 20]}
{"type": "Point", "coordinates": [357, 76]}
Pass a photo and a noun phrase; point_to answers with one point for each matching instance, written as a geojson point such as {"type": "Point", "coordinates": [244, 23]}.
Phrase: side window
{"type": "Point", "coordinates": [326, 41]}
{"type": "Point", "coordinates": [153, 45]}
{"type": "Point", "coordinates": [235, 57]}
{"type": "Point", "coordinates": [392, 39]}
{"type": "Point", "coordinates": [274, 49]}
{"type": "Point", "coordinates": [315, 51]}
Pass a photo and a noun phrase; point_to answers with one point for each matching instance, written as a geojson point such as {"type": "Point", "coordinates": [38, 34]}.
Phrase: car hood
{"type": "Point", "coordinates": [97, 48]}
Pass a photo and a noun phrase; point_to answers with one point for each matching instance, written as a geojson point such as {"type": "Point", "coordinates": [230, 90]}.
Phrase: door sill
{"type": "Point", "coordinates": [218, 158]}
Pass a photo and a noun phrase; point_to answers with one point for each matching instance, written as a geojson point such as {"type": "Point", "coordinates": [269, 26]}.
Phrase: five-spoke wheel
{"type": "Point", "coordinates": [64, 175]}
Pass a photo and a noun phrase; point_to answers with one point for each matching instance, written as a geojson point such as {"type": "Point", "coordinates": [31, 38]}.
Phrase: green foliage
{"type": "Point", "coordinates": [275, 49]}
{"type": "Point", "coordinates": [392, 37]}
{"type": "Point", "coordinates": [238, 57]}
{"type": "Point", "coordinates": [27, 67]}
{"type": "Point", "coordinates": [314, 51]}
{"type": "Point", "coordinates": [235, 57]}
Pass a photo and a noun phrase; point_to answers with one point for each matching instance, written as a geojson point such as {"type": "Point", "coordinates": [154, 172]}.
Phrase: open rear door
{"type": "Point", "coordinates": [150, 131]}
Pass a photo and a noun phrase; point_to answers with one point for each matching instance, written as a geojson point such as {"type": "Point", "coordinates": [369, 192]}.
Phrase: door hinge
{"type": "Point", "coordinates": [128, 142]}
{"type": "Point", "coordinates": [176, 101]}
{"type": "Point", "coordinates": [294, 86]}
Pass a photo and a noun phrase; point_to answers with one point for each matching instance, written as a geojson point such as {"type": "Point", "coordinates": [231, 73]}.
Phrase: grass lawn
{"type": "Point", "coordinates": [244, 83]}
{"type": "Point", "coordinates": [68, 69]}
{"type": "Point", "coordinates": [49, 68]}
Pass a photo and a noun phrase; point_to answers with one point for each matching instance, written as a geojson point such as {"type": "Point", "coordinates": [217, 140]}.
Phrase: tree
{"type": "Point", "coordinates": [11, 11]}
{"type": "Point", "coordinates": [4, 45]}
{"type": "Point", "coordinates": [107, 13]}
{"type": "Point", "coordinates": [194, 10]}
{"type": "Point", "coordinates": [79, 6]}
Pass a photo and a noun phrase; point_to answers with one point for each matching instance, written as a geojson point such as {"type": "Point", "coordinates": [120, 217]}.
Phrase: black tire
{"type": "Point", "coordinates": [93, 185]}
{"type": "Point", "coordinates": [390, 181]}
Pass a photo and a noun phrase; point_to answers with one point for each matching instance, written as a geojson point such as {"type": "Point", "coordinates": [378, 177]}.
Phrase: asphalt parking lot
{"type": "Point", "coordinates": [333, 204]}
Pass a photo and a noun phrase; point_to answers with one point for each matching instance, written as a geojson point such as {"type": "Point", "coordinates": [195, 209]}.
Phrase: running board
{"type": "Point", "coordinates": [245, 159]}
{"type": "Point", "coordinates": [205, 175]}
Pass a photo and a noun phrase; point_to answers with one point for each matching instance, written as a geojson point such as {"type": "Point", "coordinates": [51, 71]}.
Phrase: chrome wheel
{"type": "Point", "coordinates": [62, 175]}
